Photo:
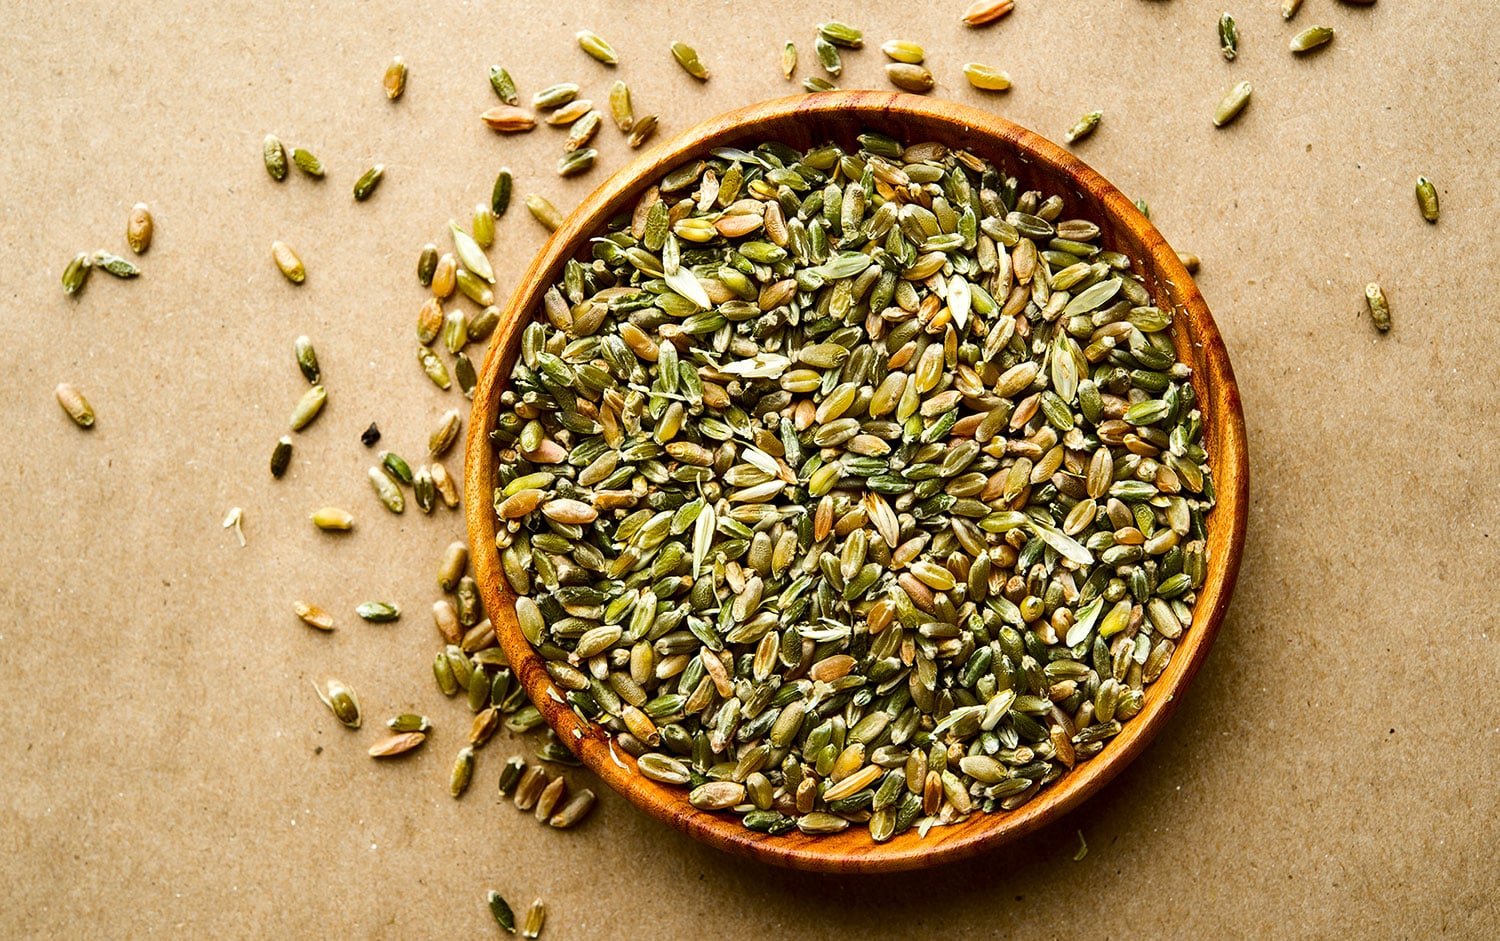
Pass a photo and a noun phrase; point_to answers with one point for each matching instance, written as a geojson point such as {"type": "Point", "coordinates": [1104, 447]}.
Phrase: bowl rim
{"type": "Point", "coordinates": [1224, 420]}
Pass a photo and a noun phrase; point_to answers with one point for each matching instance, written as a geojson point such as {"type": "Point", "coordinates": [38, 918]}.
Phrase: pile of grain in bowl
{"type": "Point", "coordinates": [852, 488]}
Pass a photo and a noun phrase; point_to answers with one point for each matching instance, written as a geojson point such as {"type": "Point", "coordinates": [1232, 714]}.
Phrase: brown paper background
{"type": "Point", "coordinates": [1332, 772]}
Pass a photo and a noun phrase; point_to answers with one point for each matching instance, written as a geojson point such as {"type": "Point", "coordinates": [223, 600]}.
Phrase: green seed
{"type": "Point", "coordinates": [463, 371]}
{"type": "Point", "coordinates": [909, 77]}
{"type": "Point", "coordinates": [394, 81]}
{"type": "Point", "coordinates": [463, 773]}
{"type": "Point", "coordinates": [308, 407]}
{"type": "Point", "coordinates": [576, 162]}
{"type": "Point", "coordinates": [554, 95]}
{"type": "Point", "coordinates": [427, 264]}
{"type": "Point", "coordinates": [483, 225]}
{"type": "Point", "coordinates": [288, 263]}
{"type": "Point", "coordinates": [1229, 37]}
{"type": "Point", "coordinates": [434, 368]}
{"type": "Point", "coordinates": [466, 599]}
{"type": "Point", "coordinates": [476, 290]}
{"type": "Point", "coordinates": [543, 211]}
{"type": "Point", "coordinates": [504, 87]}
{"type": "Point", "coordinates": [986, 78]}
{"type": "Point", "coordinates": [620, 108]}
{"type": "Point", "coordinates": [73, 402]}
{"type": "Point", "coordinates": [378, 612]}
{"type": "Point", "coordinates": [789, 59]}
{"type": "Point", "coordinates": [828, 56]}
{"type": "Point", "coordinates": [504, 917]}
{"type": "Point", "coordinates": [594, 44]}
{"type": "Point", "coordinates": [510, 774]}
{"type": "Point", "coordinates": [455, 330]}
{"type": "Point", "coordinates": [641, 132]}
{"type": "Point", "coordinates": [274, 153]}
{"type": "Point", "coordinates": [1084, 126]}
{"type": "Point", "coordinates": [583, 130]}
{"type": "Point", "coordinates": [281, 457]}
{"type": "Point", "coordinates": [423, 489]}
{"type": "Point", "coordinates": [364, 187]}
{"type": "Point", "coordinates": [76, 274]}
{"type": "Point", "coordinates": [500, 194]}
{"type": "Point", "coordinates": [841, 34]}
{"type": "Point", "coordinates": [1380, 311]}
{"type": "Point", "coordinates": [817, 83]}
{"type": "Point", "coordinates": [455, 559]}
{"type": "Point", "coordinates": [1232, 104]}
{"type": "Point", "coordinates": [386, 490]}
{"type": "Point", "coordinates": [687, 57]}
{"type": "Point", "coordinates": [1427, 199]}
{"type": "Point", "coordinates": [479, 692]}
{"type": "Point", "coordinates": [529, 618]}
{"type": "Point", "coordinates": [442, 672]}
{"type": "Point", "coordinates": [307, 163]}
{"type": "Point", "coordinates": [901, 50]}
{"type": "Point", "coordinates": [115, 265]}
{"type": "Point", "coordinates": [332, 519]}
{"type": "Point", "coordinates": [1289, 8]}
{"type": "Point", "coordinates": [307, 359]}
{"type": "Point", "coordinates": [341, 701]}
{"type": "Point", "coordinates": [571, 813]}
{"type": "Point", "coordinates": [1311, 38]}
{"type": "Point", "coordinates": [408, 722]}
{"type": "Point", "coordinates": [470, 254]}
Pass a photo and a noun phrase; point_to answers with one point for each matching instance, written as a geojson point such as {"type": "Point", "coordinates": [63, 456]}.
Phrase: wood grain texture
{"type": "Point", "coordinates": [802, 122]}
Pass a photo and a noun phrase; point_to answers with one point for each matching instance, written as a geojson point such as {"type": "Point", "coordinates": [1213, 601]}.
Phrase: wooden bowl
{"type": "Point", "coordinates": [802, 122]}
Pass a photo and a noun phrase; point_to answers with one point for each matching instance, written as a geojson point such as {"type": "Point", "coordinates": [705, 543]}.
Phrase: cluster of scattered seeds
{"type": "Point", "coordinates": [852, 488]}
{"type": "Point", "coordinates": [466, 271]}
{"type": "Point", "coordinates": [907, 69]}
{"type": "Point", "coordinates": [536, 915]}
{"type": "Point", "coordinates": [565, 109]}
{"type": "Point", "coordinates": [470, 663]}
{"type": "Point", "coordinates": [1305, 41]}
{"type": "Point", "coordinates": [531, 788]}
{"type": "Point", "coordinates": [139, 227]}
{"type": "Point", "coordinates": [309, 406]}
{"type": "Point", "coordinates": [1237, 98]}
{"type": "Point", "coordinates": [274, 154]}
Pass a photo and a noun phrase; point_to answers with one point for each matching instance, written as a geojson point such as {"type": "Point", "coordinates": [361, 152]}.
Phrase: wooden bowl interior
{"type": "Point", "coordinates": [804, 122]}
